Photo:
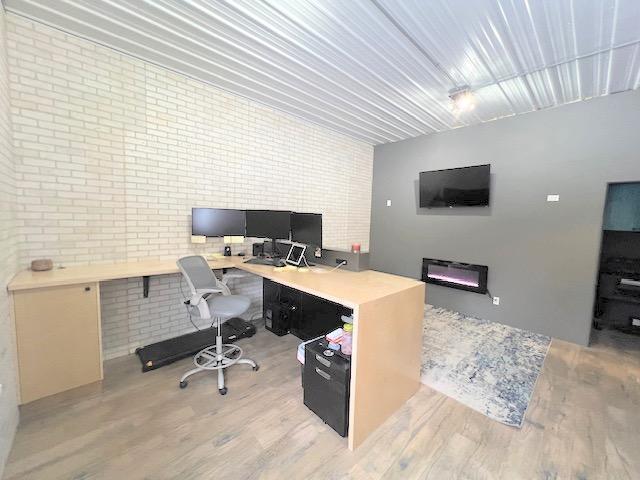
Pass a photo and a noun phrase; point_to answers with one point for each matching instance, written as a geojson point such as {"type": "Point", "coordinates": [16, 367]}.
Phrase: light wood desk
{"type": "Point", "coordinates": [57, 316]}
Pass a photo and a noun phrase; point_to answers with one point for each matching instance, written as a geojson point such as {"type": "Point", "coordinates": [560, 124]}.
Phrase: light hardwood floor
{"type": "Point", "coordinates": [582, 423]}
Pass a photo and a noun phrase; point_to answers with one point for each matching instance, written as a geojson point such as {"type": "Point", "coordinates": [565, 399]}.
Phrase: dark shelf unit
{"type": "Point", "coordinates": [287, 310]}
{"type": "Point", "coordinates": [617, 305]}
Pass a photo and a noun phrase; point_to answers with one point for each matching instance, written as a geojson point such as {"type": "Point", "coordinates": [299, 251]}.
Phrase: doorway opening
{"type": "Point", "coordinates": [617, 307]}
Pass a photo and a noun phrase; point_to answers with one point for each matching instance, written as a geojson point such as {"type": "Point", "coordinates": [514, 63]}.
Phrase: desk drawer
{"type": "Point", "coordinates": [58, 339]}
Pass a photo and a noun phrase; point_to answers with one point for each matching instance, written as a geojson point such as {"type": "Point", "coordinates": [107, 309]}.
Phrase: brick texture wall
{"type": "Point", "coordinates": [8, 260]}
{"type": "Point", "coordinates": [112, 153]}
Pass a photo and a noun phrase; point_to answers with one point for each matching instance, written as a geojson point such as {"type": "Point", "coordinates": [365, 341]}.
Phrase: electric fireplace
{"type": "Point", "coordinates": [463, 276]}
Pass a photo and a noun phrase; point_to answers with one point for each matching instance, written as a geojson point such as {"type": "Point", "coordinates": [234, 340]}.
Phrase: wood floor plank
{"type": "Point", "coordinates": [581, 424]}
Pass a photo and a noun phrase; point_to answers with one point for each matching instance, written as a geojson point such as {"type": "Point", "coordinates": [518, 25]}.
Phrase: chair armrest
{"type": "Point", "coordinates": [203, 291]}
{"type": "Point", "coordinates": [230, 276]}
{"type": "Point", "coordinates": [203, 294]}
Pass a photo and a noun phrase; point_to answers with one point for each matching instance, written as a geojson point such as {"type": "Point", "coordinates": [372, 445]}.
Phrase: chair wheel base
{"type": "Point", "coordinates": [184, 384]}
{"type": "Point", "coordinates": [256, 368]}
{"type": "Point", "coordinates": [223, 391]}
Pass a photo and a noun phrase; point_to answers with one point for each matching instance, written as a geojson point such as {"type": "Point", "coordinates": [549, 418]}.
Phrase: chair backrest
{"type": "Point", "coordinates": [197, 273]}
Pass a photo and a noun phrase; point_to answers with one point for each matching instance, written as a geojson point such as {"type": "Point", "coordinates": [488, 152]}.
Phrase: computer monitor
{"type": "Point", "coordinates": [270, 224]}
{"type": "Point", "coordinates": [217, 222]}
{"type": "Point", "coordinates": [307, 228]}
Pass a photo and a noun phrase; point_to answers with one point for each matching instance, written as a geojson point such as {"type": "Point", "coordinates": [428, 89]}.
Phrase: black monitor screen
{"type": "Point", "coordinates": [307, 228]}
{"type": "Point", "coordinates": [268, 224]}
{"type": "Point", "coordinates": [455, 187]}
{"type": "Point", "coordinates": [217, 222]}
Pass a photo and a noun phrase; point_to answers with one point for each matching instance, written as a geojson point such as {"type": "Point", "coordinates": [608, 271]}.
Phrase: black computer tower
{"type": "Point", "coordinates": [327, 374]}
{"type": "Point", "coordinates": [275, 320]}
{"type": "Point", "coordinates": [280, 307]}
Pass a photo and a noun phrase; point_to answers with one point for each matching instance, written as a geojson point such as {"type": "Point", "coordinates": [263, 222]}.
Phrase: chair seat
{"type": "Point", "coordinates": [228, 306]}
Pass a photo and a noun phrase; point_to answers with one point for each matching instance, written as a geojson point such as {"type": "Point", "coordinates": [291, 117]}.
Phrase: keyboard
{"type": "Point", "coordinates": [274, 262]}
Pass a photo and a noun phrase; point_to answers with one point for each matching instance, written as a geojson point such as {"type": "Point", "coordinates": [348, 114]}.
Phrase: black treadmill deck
{"type": "Point", "coordinates": [168, 351]}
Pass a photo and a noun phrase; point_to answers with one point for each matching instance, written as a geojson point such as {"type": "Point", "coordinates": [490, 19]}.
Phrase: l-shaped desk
{"type": "Point", "coordinates": [57, 319]}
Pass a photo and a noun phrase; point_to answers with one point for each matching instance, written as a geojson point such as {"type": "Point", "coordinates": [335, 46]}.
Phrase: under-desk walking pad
{"type": "Point", "coordinates": [168, 351]}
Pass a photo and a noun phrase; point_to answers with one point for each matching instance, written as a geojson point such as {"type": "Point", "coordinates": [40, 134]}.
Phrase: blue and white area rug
{"type": "Point", "coordinates": [487, 366]}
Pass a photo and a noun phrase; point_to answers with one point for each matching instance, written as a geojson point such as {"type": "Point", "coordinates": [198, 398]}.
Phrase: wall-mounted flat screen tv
{"type": "Point", "coordinates": [455, 187]}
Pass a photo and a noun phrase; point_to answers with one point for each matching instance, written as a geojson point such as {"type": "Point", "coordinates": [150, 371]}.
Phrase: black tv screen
{"type": "Point", "coordinates": [217, 222]}
{"type": "Point", "coordinates": [455, 187]}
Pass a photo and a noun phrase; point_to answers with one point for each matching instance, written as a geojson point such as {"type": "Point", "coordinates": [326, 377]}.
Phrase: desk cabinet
{"type": "Point", "coordinates": [58, 339]}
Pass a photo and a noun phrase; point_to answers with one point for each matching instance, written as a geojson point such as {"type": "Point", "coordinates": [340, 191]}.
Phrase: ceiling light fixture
{"type": "Point", "coordinates": [463, 100]}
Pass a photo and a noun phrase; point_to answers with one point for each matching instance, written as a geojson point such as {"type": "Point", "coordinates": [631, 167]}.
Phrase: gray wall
{"type": "Point", "coordinates": [542, 256]}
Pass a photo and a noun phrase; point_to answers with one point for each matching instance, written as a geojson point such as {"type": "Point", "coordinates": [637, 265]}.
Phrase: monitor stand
{"type": "Point", "coordinates": [274, 248]}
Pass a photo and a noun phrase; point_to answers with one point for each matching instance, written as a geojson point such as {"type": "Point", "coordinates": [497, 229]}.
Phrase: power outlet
{"type": "Point", "coordinates": [340, 260]}
{"type": "Point", "coordinates": [496, 300]}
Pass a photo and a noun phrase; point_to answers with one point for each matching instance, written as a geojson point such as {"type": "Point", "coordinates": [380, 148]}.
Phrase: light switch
{"type": "Point", "coordinates": [388, 203]}
{"type": "Point", "coordinates": [553, 198]}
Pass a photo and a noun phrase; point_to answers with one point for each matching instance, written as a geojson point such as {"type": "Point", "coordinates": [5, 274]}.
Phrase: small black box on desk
{"type": "Point", "coordinates": [327, 374]}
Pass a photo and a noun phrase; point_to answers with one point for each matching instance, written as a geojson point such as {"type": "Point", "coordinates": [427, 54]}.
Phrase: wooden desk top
{"type": "Point", "coordinates": [28, 279]}
{"type": "Point", "coordinates": [341, 286]}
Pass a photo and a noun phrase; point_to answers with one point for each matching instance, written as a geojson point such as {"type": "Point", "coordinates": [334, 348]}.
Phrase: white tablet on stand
{"type": "Point", "coordinates": [296, 254]}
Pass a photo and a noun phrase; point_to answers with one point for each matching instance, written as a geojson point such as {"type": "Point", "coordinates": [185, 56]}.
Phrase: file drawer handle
{"type": "Point", "coordinates": [324, 375]}
{"type": "Point", "coordinates": [323, 361]}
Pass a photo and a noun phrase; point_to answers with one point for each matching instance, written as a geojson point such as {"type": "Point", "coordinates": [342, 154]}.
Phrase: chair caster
{"type": "Point", "coordinates": [184, 384]}
{"type": "Point", "coordinates": [256, 368]}
{"type": "Point", "coordinates": [223, 391]}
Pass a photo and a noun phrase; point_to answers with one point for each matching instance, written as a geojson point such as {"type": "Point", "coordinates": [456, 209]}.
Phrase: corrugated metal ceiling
{"type": "Point", "coordinates": [376, 70]}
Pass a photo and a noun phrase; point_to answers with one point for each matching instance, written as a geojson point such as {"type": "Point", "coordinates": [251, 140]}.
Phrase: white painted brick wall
{"type": "Point", "coordinates": [112, 154]}
{"type": "Point", "coordinates": [8, 260]}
